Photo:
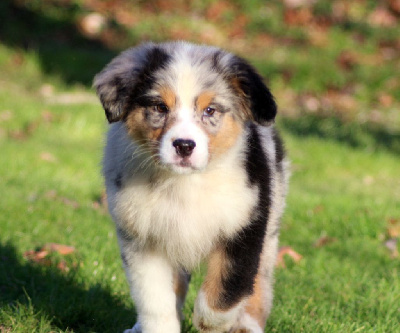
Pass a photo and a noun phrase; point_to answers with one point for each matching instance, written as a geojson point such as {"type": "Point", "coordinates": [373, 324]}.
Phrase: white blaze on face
{"type": "Point", "coordinates": [186, 87]}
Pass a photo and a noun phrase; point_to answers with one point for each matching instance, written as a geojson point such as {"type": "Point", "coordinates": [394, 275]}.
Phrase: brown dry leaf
{"type": "Point", "coordinates": [40, 256]}
{"type": "Point", "coordinates": [218, 9]}
{"type": "Point", "coordinates": [59, 248]}
{"type": "Point", "coordinates": [62, 266]}
{"type": "Point", "coordinates": [324, 240]}
{"type": "Point", "coordinates": [48, 157]}
{"type": "Point", "coordinates": [393, 228]}
{"type": "Point", "coordinates": [300, 16]}
{"type": "Point", "coordinates": [318, 37]}
{"type": "Point", "coordinates": [239, 27]}
{"type": "Point", "coordinates": [342, 102]}
{"type": "Point", "coordinates": [381, 17]}
{"type": "Point", "coordinates": [386, 100]}
{"type": "Point", "coordinates": [394, 5]}
{"type": "Point", "coordinates": [4, 329]}
{"type": "Point", "coordinates": [287, 251]}
{"type": "Point", "coordinates": [347, 60]}
{"type": "Point", "coordinates": [36, 255]}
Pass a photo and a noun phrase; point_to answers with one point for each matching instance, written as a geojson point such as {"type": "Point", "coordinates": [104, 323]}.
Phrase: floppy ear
{"type": "Point", "coordinates": [124, 78]}
{"type": "Point", "coordinates": [252, 88]}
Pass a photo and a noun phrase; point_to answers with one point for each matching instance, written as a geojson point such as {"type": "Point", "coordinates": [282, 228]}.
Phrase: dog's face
{"type": "Point", "coordinates": [185, 105]}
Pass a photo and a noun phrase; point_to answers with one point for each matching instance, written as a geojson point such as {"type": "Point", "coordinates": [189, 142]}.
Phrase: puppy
{"type": "Point", "coordinates": [195, 172]}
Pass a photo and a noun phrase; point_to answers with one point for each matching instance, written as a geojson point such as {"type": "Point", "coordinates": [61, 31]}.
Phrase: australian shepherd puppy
{"type": "Point", "coordinates": [195, 172]}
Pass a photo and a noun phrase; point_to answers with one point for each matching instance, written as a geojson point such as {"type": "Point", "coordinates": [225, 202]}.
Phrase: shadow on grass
{"type": "Point", "coordinates": [60, 298]}
{"type": "Point", "coordinates": [52, 34]}
{"type": "Point", "coordinates": [353, 134]}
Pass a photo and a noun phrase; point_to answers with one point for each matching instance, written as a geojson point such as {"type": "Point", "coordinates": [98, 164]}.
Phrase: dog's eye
{"type": "Point", "coordinates": [209, 111]}
{"type": "Point", "coordinates": [162, 108]}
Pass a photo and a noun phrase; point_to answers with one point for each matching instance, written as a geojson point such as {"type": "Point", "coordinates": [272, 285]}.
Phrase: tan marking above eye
{"type": "Point", "coordinates": [204, 100]}
{"type": "Point", "coordinates": [168, 96]}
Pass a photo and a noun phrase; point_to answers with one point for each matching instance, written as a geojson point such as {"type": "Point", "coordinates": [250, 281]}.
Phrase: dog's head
{"type": "Point", "coordinates": [185, 103]}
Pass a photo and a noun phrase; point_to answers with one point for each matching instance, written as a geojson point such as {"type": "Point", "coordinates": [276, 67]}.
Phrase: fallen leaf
{"type": "Point", "coordinates": [41, 256]}
{"type": "Point", "coordinates": [62, 266]}
{"type": "Point", "coordinates": [381, 17]}
{"type": "Point", "coordinates": [59, 248]}
{"type": "Point", "coordinates": [36, 255]}
{"type": "Point", "coordinates": [287, 251]}
{"type": "Point", "coordinates": [4, 329]}
{"type": "Point", "coordinates": [347, 60]}
{"type": "Point", "coordinates": [393, 228]}
{"type": "Point", "coordinates": [324, 240]}
{"type": "Point", "coordinates": [217, 10]}
{"type": "Point", "coordinates": [386, 100]}
{"type": "Point", "coordinates": [394, 5]}
{"type": "Point", "coordinates": [48, 157]}
{"type": "Point", "coordinates": [298, 16]}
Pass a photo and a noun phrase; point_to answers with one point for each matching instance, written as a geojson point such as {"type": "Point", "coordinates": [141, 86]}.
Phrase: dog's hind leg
{"type": "Point", "coordinates": [259, 304]}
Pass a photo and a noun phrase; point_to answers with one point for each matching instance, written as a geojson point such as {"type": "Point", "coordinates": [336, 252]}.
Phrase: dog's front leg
{"type": "Point", "coordinates": [152, 281]}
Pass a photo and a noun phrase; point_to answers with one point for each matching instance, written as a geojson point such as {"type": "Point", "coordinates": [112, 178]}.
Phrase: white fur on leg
{"type": "Point", "coordinates": [248, 323]}
{"type": "Point", "coordinates": [212, 321]}
{"type": "Point", "coordinates": [151, 279]}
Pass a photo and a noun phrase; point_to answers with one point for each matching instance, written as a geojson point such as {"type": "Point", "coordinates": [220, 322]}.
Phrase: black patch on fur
{"type": "Point", "coordinates": [215, 61]}
{"type": "Point", "coordinates": [157, 59]}
{"type": "Point", "coordinates": [131, 84]}
{"type": "Point", "coordinates": [118, 181]}
{"type": "Point", "coordinates": [124, 260]}
{"type": "Point", "coordinates": [124, 235]}
{"type": "Point", "coordinates": [244, 250]}
{"type": "Point", "coordinates": [263, 106]}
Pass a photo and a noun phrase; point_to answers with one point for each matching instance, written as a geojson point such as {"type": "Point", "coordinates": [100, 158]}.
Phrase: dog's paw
{"type": "Point", "coordinates": [211, 320]}
{"type": "Point", "coordinates": [135, 329]}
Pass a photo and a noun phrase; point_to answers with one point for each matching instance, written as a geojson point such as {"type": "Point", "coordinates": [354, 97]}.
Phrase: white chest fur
{"type": "Point", "coordinates": [184, 216]}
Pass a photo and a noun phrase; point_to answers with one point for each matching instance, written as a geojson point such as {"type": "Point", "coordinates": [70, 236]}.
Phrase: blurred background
{"type": "Point", "coordinates": [324, 58]}
{"type": "Point", "coordinates": [334, 68]}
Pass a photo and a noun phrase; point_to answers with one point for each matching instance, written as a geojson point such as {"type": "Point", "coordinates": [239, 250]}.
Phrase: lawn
{"type": "Point", "coordinates": [339, 118]}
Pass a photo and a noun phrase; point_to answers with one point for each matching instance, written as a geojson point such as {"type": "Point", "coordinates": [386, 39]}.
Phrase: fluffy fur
{"type": "Point", "coordinates": [195, 172]}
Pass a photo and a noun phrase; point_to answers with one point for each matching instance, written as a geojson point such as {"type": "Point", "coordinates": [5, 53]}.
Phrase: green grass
{"type": "Point", "coordinates": [345, 180]}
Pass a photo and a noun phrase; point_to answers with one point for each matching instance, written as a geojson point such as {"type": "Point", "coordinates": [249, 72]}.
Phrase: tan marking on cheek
{"type": "Point", "coordinates": [139, 129]}
{"type": "Point", "coordinates": [168, 96]}
{"type": "Point", "coordinates": [218, 267]}
{"type": "Point", "coordinates": [226, 136]}
{"type": "Point", "coordinates": [204, 100]}
{"type": "Point", "coordinates": [256, 306]}
{"type": "Point", "coordinates": [136, 125]}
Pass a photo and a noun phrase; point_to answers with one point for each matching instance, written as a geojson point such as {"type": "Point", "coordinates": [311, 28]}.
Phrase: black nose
{"type": "Point", "coordinates": [184, 147]}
